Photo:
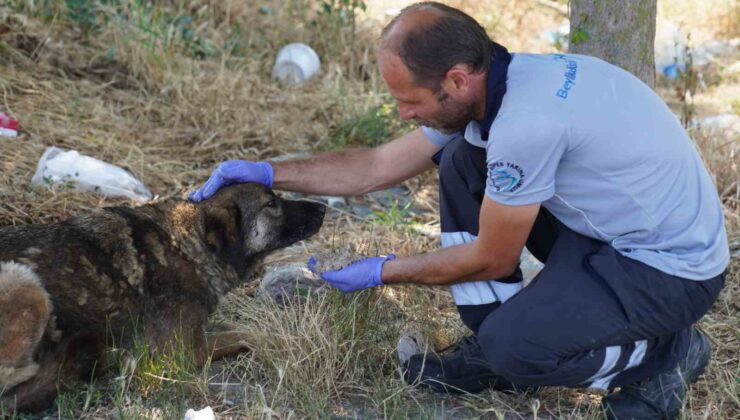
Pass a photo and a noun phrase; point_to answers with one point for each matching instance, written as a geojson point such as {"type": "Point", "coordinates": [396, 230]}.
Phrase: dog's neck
{"type": "Point", "coordinates": [186, 225]}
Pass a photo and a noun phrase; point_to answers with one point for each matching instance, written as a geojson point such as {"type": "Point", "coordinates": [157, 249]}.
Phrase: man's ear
{"type": "Point", "coordinates": [457, 79]}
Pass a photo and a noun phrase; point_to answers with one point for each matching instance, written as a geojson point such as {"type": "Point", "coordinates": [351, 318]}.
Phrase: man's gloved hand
{"type": "Point", "coordinates": [234, 172]}
{"type": "Point", "coordinates": [360, 275]}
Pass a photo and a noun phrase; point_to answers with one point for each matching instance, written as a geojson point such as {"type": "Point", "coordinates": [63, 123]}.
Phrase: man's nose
{"type": "Point", "coordinates": [406, 112]}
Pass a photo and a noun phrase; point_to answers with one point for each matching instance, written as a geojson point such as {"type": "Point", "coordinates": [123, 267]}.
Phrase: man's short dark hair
{"type": "Point", "coordinates": [430, 50]}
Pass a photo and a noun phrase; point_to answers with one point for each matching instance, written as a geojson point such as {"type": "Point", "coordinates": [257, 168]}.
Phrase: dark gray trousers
{"type": "Point", "coordinates": [591, 318]}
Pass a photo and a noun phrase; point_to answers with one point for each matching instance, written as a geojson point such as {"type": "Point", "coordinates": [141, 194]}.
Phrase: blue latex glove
{"type": "Point", "coordinates": [360, 275]}
{"type": "Point", "coordinates": [234, 172]}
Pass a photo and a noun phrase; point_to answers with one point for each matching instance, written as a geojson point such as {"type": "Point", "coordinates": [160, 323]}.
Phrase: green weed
{"type": "Point", "coordinates": [395, 216]}
{"type": "Point", "coordinates": [579, 36]}
{"type": "Point", "coordinates": [373, 127]}
{"type": "Point", "coordinates": [79, 398]}
{"type": "Point", "coordinates": [339, 14]}
{"type": "Point", "coordinates": [173, 371]}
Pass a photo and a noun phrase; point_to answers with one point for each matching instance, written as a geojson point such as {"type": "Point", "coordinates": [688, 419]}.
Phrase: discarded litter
{"type": "Point", "coordinates": [8, 126]}
{"type": "Point", "coordinates": [723, 123]}
{"type": "Point", "coordinates": [714, 50]}
{"type": "Point", "coordinates": [722, 130]}
{"type": "Point", "coordinates": [8, 132]}
{"type": "Point", "coordinates": [671, 51]}
{"type": "Point", "coordinates": [71, 169]}
{"type": "Point", "coordinates": [670, 43]}
{"type": "Point", "coordinates": [7, 122]}
{"type": "Point", "coordinates": [204, 414]}
{"type": "Point", "coordinates": [296, 63]}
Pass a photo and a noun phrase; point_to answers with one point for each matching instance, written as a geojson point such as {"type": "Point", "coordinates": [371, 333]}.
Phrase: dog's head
{"type": "Point", "coordinates": [243, 222]}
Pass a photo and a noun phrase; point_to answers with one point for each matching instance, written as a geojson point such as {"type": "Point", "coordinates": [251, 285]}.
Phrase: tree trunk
{"type": "Point", "coordinates": [621, 32]}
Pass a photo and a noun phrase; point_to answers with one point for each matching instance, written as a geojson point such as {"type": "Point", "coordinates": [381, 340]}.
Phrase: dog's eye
{"type": "Point", "coordinates": [272, 203]}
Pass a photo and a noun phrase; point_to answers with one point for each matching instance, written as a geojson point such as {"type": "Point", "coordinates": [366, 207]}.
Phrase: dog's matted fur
{"type": "Point", "coordinates": [67, 289]}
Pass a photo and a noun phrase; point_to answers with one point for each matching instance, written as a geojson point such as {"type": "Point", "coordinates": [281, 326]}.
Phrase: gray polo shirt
{"type": "Point", "coordinates": [604, 154]}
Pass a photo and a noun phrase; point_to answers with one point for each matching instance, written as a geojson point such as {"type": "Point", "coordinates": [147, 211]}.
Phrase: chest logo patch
{"type": "Point", "coordinates": [505, 176]}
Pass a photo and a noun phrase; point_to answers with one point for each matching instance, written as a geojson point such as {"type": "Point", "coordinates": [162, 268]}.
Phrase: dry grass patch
{"type": "Point", "coordinates": [169, 91]}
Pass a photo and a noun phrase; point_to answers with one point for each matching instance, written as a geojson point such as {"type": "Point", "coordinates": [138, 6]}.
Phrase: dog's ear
{"type": "Point", "coordinates": [222, 223]}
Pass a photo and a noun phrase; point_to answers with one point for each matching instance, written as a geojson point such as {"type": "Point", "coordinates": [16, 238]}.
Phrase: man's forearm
{"type": "Point", "coordinates": [357, 171]}
{"type": "Point", "coordinates": [447, 266]}
{"type": "Point", "coordinates": [347, 172]}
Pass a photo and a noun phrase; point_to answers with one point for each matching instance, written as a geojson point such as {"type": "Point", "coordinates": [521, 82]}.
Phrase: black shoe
{"type": "Point", "coordinates": [661, 396]}
{"type": "Point", "coordinates": [464, 369]}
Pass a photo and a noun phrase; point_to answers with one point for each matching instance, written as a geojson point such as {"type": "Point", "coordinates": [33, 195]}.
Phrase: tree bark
{"type": "Point", "coordinates": [621, 32]}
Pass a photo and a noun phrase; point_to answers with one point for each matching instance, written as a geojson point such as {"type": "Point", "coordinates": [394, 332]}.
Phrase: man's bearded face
{"type": "Point", "coordinates": [452, 116]}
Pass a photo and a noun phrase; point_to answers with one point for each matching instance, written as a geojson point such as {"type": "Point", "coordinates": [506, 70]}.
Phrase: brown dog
{"type": "Point", "coordinates": [68, 289]}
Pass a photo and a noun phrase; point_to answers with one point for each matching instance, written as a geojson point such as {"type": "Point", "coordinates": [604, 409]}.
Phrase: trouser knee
{"type": "Point", "coordinates": [509, 356]}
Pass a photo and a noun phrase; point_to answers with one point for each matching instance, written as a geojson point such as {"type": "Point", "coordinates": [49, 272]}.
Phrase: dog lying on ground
{"type": "Point", "coordinates": [69, 289]}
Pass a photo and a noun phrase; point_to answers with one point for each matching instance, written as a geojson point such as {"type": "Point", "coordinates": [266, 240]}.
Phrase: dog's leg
{"type": "Point", "coordinates": [59, 369]}
{"type": "Point", "coordinates": [184, 322]}
{"type": "Point", "coordinates": [177, 326]}
{"type": "Point", "coordinates": [225, 339]}
{"type": "Point", "coordinates": [24, 313]}
{"type": "Point", "coordinates": [39, 392]}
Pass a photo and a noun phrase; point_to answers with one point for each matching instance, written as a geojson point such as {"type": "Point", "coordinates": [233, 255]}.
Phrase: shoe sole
{"type": "Point", "coordinates": [459, 387]}
{"type": "Point", "coordinates": [482, 383]}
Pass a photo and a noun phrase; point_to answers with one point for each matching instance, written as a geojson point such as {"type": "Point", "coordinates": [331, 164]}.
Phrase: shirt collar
{"type": "Point", "coordinates": [495, 86]}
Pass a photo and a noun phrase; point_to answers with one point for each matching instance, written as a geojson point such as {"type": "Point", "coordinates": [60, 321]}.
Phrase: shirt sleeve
{"type": "Point", "coordinates": [439, 138]}
{"type": "Point", "coordinates": [522, 156]}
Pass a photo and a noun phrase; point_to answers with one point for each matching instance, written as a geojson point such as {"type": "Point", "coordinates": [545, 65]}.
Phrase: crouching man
{"type": "Point", "coordinates": [567, 155]}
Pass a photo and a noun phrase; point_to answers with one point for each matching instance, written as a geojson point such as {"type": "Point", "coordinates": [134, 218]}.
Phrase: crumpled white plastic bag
{"type": "Point", "coordinates": [204, 414]}
{"type": "Point", "coordinates": [84, 173]}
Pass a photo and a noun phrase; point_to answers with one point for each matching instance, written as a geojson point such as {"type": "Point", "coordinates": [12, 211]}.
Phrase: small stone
{"type": "Point", "coordinates": [290, 195]}
{"type": "Point", "coordinates": [386, 198]}
{"type": "Point", "coordinates": [411, 342]}
{"type": "Point", "coordinates": [735, 249]}
{"type": "Point", "coordinates": [430, 230]}
{"type": "Point", "coordinates": [362, 211]}
{"type": "Point", "coordinates": [332, 201]}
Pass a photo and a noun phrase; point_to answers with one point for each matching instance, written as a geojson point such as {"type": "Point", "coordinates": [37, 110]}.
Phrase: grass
{"type": "Point", "coordinates": [369, 128]}
{"type": "Point", "coordinates": [395, 215]}
{"type": "Point", "coordinates": [168, 91]}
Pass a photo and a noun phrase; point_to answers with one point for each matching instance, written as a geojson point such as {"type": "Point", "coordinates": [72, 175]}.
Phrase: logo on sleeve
{"type": "Point", "coordinates": [505, 176]}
